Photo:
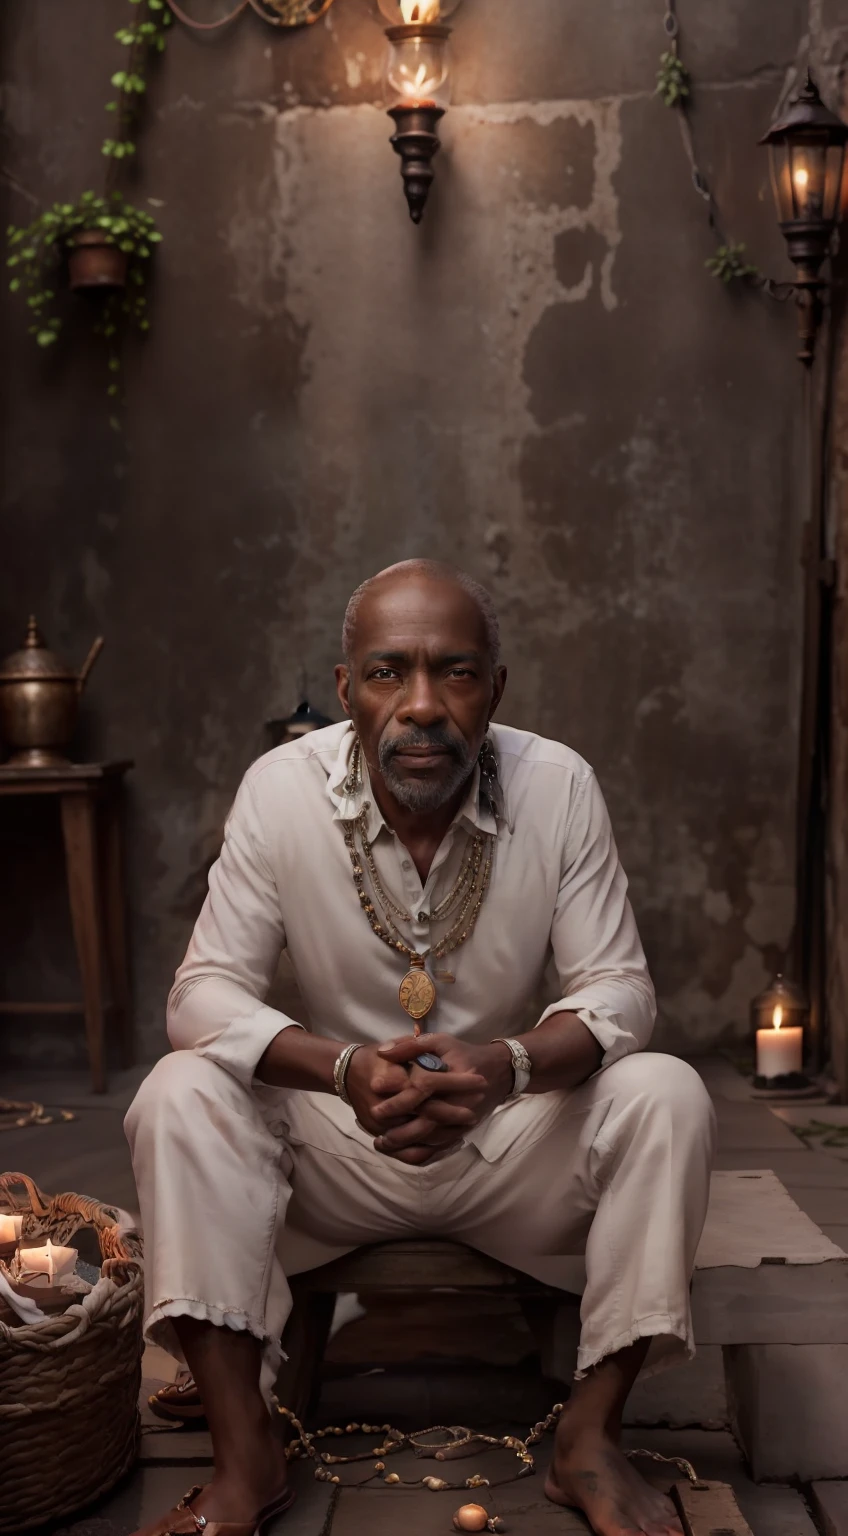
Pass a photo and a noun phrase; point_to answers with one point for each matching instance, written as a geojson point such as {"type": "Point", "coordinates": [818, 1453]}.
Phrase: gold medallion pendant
{"type": "Point", "coordinates": [417, 993]}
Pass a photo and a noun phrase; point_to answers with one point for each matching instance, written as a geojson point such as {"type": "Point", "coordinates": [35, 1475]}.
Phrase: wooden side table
{"type": "Point", "coordinates": [90, 800]}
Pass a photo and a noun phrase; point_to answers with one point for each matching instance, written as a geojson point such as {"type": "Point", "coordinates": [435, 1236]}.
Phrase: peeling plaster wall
{"type": "Point", "coordinates": [542, 383]}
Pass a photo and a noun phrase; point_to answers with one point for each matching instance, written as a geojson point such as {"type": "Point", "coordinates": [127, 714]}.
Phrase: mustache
{"type": "Point", "coordinates": [435, 737]}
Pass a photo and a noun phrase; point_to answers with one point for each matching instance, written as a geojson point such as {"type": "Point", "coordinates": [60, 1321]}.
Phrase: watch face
{"type": "Point", "coordinates": [431, 1063]}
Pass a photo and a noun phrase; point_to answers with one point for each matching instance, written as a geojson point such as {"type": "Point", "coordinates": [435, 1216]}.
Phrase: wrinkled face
{"type": "Point", "coordinates": [420, 687]}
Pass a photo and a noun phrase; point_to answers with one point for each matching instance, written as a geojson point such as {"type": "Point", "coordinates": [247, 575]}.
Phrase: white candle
{"type": "Point", "coordinates": [50, 1261]}
{"type": "Point", "coordinates": [10, 1228]}
{"type": "Point", "coordinates": [779, 1050]}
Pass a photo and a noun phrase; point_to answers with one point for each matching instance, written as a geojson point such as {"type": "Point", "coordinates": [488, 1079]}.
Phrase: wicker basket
{"type": "Point", "coordinates": [69, 1386]}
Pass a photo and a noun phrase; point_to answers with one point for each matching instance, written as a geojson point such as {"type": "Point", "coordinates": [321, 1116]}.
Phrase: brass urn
{"type": "Point", "coordinates": [39, 696]}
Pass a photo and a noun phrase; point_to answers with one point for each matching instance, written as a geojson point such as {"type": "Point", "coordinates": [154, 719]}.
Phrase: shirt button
{"type": "Point", "coordinates": [406, 864]}
{"type": "Point", "coordinates": [422, 917]}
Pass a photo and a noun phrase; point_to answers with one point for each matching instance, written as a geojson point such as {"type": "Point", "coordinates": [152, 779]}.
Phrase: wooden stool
{"type": "Point", "coordinates": [416, 1265]}
{"type": "Point", "coordinates": [90, 800]}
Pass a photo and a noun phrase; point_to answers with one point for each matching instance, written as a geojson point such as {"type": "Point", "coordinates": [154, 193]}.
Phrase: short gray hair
{"type": "Point", "coordinates": [437, 570]}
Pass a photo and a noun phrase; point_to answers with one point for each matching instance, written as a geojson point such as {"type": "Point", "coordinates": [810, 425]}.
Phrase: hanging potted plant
{"type": "Point", "coordinates": [105, 244]}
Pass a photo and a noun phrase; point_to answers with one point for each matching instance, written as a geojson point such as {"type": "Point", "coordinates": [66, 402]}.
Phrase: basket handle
{"type": "Point", "coordinates": [39, 1204]}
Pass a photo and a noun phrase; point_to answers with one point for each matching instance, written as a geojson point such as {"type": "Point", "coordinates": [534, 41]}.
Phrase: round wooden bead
{"type": "Point", "coordinates": [471, 1517]}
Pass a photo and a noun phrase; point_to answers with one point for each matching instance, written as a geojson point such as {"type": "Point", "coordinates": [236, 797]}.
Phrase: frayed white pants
{"type": "Point", "coordinates": [240, 1189]}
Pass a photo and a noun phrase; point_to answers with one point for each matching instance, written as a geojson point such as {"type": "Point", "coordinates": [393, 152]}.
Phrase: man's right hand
{"type": "Point", "coordinates": [371, 1079]}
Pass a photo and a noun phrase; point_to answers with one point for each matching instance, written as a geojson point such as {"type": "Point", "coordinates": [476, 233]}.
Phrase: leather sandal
{"type": "Point", "coordinates": [182, 1520]}
{"type": "Point", "coordinates": [179, 1400]}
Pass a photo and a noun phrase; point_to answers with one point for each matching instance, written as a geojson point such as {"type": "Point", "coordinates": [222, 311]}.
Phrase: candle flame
{"type": "Point", "coordinates": [802, 177]}
{"type": "Point", "coordinates": [777, 1017]}
{"type": "Point", "coordinates": [425, 11]}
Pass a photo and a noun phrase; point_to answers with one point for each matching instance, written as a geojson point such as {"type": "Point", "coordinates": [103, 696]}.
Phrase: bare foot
{"type": "Point", "coordinates": [589, 1471]}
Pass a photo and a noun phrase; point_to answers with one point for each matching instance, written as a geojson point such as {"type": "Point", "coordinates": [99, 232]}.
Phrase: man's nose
{"type": "Point", "coordinates": [422, 703]}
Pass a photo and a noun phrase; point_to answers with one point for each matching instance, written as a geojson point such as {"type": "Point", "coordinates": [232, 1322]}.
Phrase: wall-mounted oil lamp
{"type": "Point", "coordinates": [807, 153]}
{"type": "Point", "coordinates": [418, 88]}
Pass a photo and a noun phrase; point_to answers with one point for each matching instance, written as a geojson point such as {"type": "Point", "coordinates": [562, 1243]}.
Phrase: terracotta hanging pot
{"type": "Point", "coordinates": [95, 263]}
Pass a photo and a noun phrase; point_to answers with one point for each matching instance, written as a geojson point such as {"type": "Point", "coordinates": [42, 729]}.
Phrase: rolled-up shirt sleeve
{"type": "Point", "coordinates": [217, 1003]}
{"type": "Point", "coordinates": [603, 974]}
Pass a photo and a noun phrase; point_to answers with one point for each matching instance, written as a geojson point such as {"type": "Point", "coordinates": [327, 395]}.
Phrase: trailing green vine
{"type": "Point", "coordinates": [144, 37]}
{"type": "Point", "coordinates": [729, 264]}
{"type": "Point", "coordinates": [672, 79]}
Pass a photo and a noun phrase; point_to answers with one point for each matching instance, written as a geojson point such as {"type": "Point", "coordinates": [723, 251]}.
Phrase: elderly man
{"type": "Point", "coordinates": [422, 866]}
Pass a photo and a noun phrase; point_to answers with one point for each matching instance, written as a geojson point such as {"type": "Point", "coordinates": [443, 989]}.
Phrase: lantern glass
{"type": "Point", "coordinates": [780, 1006]}
{"type": "Point", "coordinates": [418, 72]}
{"type": "Point", "coordinates": [407, 13]}
{"type": "Point", "coordinates": [807, 180]}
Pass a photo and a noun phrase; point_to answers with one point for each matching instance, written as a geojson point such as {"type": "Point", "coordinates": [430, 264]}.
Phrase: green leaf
{"type": "Point", "coordinates": [45, 338]}
{"type": "Point", "coordinates": [119, 78]}
{"type": "Point", "coordinates": [14, 285]}
{"type": "Point", "coordinates": [112, 390]}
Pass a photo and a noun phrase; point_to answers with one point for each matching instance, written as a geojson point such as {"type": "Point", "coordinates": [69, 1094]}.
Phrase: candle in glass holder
{"type": "Point", "coordinates": [780, 1049]}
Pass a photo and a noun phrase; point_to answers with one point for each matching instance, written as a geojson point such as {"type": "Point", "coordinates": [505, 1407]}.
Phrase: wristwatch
{"type": "Point", "coordinates": [522, 1068]}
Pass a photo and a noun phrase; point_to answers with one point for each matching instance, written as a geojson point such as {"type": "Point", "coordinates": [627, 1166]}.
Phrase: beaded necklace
{"type": "Point", "coordinates": [417, 991]}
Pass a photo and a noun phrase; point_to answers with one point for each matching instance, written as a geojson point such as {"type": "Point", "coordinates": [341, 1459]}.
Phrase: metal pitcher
{"type": "Point", "coordinates": [39, 697]}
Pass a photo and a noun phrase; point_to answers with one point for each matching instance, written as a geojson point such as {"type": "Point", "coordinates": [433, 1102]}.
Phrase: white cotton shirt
{"type": "Point", "coordinates": [284, 881]}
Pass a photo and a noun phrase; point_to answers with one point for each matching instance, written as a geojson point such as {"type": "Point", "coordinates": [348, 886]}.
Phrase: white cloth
{"type": "Point", "coordinates": [557, 893]}
{"type": "Point", "coordinates": [241, 1188]}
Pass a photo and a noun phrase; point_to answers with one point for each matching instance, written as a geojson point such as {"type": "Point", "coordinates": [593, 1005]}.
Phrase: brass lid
{"type": "Point", "coordinates": [34, 661]}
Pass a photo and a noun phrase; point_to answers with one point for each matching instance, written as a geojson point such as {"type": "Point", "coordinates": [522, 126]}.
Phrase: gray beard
{"type": "Point", "coordinates": [422, 795]}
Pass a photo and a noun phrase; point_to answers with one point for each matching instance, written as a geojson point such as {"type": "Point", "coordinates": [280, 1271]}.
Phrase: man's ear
{"type": "Point", "coordinates": [498, 686]}
{"type": "Point", "coordinates": [343, 688]}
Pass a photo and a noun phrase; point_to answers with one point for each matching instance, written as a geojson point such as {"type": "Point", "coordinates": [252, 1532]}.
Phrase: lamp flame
{"type": "Point", "coordinates": [777, 1017]}
{"type": "Point", "coordinates": [425, 11]}
{"type": "Point", "coordinates": [801, 178]}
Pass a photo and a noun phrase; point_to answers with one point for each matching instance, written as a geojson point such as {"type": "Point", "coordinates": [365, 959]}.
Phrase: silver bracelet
{"type": "Point", "coordinates": [340, 1071]}
{"type": "Point", "coordinates": [522, 1067]}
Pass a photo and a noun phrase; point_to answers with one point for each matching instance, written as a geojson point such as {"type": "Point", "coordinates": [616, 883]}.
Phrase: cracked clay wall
{"type": "Point", "coordinates": [542, 384]}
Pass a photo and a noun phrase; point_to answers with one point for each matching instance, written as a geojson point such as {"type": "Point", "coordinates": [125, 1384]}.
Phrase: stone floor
{"type": "Point", "coordinates": [485, 1372]}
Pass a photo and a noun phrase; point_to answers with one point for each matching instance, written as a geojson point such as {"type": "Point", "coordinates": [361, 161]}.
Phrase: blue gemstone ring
{"type": "Point", "coordinates": [432, 1063]}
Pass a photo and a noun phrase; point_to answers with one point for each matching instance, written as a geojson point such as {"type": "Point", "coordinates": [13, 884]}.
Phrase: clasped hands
{"type": "Point", "coordinates": [414, 1115]}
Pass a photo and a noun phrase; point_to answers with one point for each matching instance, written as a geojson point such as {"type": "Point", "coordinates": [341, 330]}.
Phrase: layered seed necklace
{"type": "Point", "coordinates": [417, 991]}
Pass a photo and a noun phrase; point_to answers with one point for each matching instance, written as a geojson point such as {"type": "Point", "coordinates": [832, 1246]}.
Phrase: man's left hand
{"type": "Point", "coordinates": [415, 1142]}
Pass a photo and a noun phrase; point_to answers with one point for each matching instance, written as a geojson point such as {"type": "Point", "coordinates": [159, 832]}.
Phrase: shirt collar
{"type": "Point", "coordinates": [475, 812]}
